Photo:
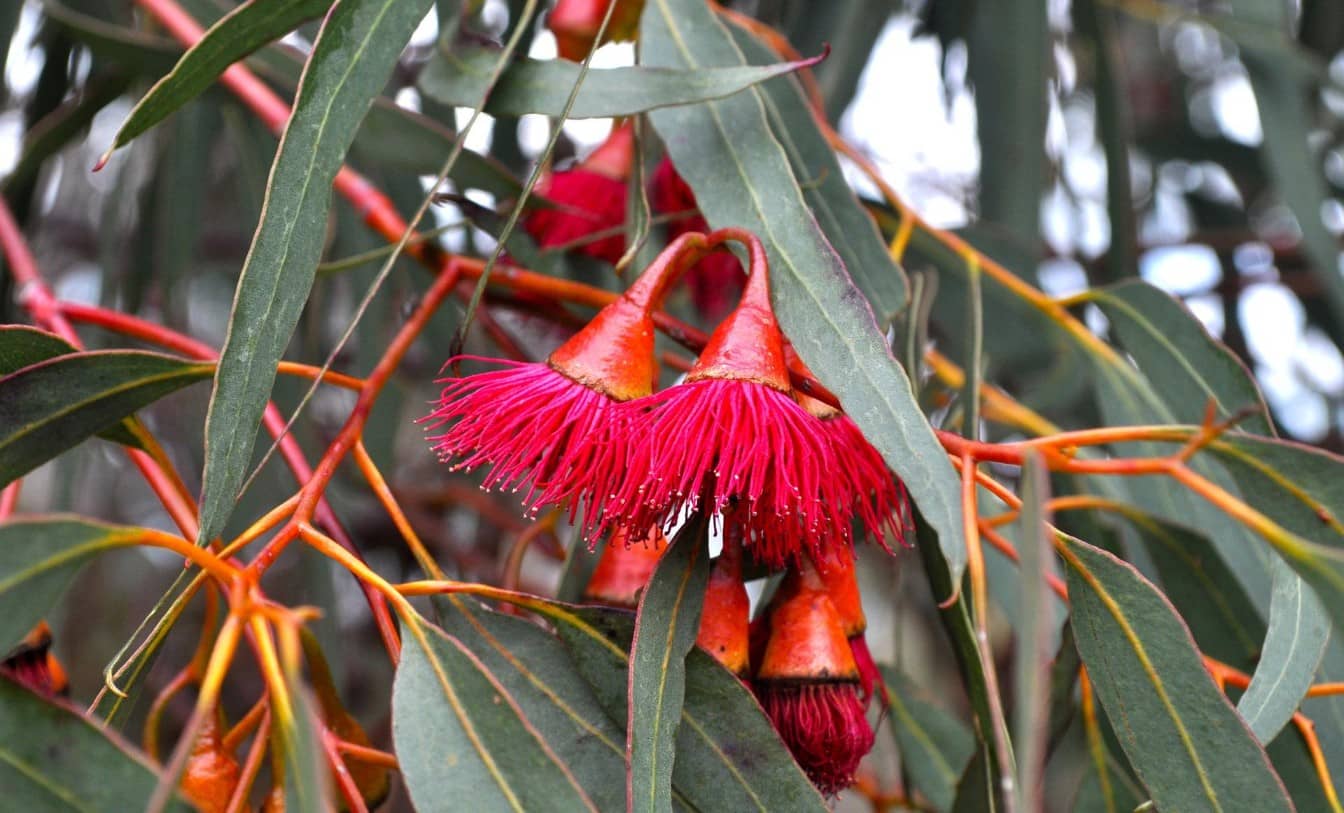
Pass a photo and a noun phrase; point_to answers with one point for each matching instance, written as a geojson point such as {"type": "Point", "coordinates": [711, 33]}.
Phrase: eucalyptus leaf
{"type": "Point", "coordinates": [352, 58]}
{"type": "Point", "coordinates": [51, 406]}
{"type": "Point", "coordinates": [461, 77]}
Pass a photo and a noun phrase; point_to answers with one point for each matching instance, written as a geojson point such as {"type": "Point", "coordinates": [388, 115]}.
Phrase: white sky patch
{"type": "Point", "coordinates": [1185, 269]}
{"type": "Point", "coordinates": [1272, 319]}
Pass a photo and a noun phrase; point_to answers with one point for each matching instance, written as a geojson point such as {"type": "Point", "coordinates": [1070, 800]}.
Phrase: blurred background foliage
{"type": "Point", "coordinates": [1198, 145]}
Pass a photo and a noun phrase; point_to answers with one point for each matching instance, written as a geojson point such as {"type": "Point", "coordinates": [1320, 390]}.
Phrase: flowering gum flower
{"type": "Point", "coordinates": [587, 199]}
{"type": "Point", "coordinates": [733, 437]}
{"type": "Point", "coordinates": [835, 568]}
{"type": "Point", "coordinates": [716, 281]}
{"type": "Point", "coordinates": [550, 427]}
{"type": "Point", "coordinates": [807, 683]}
{"type": "Point", "coordinates": [625, 569]}
{"type": "Point", "coordinates": [33, 665]}
{"type": "Point", "coordinates": [876, 496]}
{"type": "Point", "coordinates": [724, 617]}
{"type": "Point", "coordinates": [575, 24]}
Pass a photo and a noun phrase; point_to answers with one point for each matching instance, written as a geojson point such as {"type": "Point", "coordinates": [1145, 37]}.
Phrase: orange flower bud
{"type": "Point", "coordinates": [212, 773]}
{"type": "Point", "coordinates": [724, 619]}
{"type": "Point", "coordinates": [625, 569]}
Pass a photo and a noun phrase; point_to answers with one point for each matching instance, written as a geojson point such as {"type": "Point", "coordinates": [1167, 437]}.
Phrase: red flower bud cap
{"type": "Point", "coordinates": [748, 345]}
{"type": "Point", "coordinates": [807, 643]}
{"type": "Point", "coordinates": [724, 620]}
{"type": "Point", "coordinates": [211, 773]}
{"type": "Point", "coordinates": [835, 568]}
{"type": "Point", "coordinates": [625, 569]}
{"type": "Point", "coordinates": [613, 353]}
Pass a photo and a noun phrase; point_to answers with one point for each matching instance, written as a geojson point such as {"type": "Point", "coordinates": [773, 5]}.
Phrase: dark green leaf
{"type": "Point", "coordinates": [460, 734]}
{"type": "Point", "coordinates": [123, 46]}
{"type": "Point", "coordinates": [351, 60]}
{"type": "Point", "coordinates": [935, 746]}
{"type": "Point", "coordinates": [1190, 748]}
{"type": "Point", "coordinates": [49, 407]}
{"type": "Point", "coordinates": [38, 558]}
{"type": "Point", "coordinates": [54, 759]}
{"type": "Point", "coordinates": [819, 307]}
{"type": "Point", "coordinates": [244, 30]}
{"type": "Point", "coordinates": [537, 671]}
{"type": "Point", "coordinates": [461, 77]}
{"type": "Point", "coordinates": [665, 630]}
{"type": "Point", "coordinates": [21, 346]}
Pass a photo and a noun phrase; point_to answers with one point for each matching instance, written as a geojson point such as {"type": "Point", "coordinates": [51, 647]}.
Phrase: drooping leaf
{"type": "Point", "coordinates": [935, 746]}
{"type": "Point", "coordinates": [50, 407]}
{"type": "Point", "coordinates": [460, 734]}
{"type": "Point", "coordinates": [38, 558]}
{"type": "Point", "coordinates": [1190, 748]}
{"type": "Point", "coordinates": [242, 31]}
{"type": "Point", "coordinates": [961, 633]}
{"type": "Point", "coordinates": [846, 224]}
{"type": "Point", "coordinates": [820, 309]}
{"type": "Point", "coordinates": [535, 669]}
{"type": "Point", "coordinates": [1010, 74]}
{"type": "Point", "coordinates": [461, 78]}
{"type": "Point", "coordinates": [53, 758]}
{"type": "Point", "coordinates": [1033, 632]}
{"type": "Point", "coordinates": [1295, 642]}
{"type": "Point", "coordinates": [307, 779]}
{"type": "Point", "coordinates": [665, 630]}
{"type": "Point", "coordinates": [355, 52]}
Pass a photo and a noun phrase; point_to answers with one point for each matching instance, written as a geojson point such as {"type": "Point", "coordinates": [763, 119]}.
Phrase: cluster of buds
{"type": "Point", "coordinates": [790, 480]}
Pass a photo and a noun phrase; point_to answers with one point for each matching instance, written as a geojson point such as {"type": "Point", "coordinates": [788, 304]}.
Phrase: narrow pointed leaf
{"type": "Point", "coordinates": [820, 308]}
{"type": "Point", "coordinates": [242, 31]}
{"type": "Point", "coordinates": [52, 406]}
{"type": "Point", "coordinates": [665, 630]}
{"type": "Point", "coordinates": [460, 735]}
{"type": "Point", "coordinates": [1033, 632]}
{"type": "Point", "coordinates": [1188, 745]}
{"type": "Point", "coordinates": [542, 86]}
{"type": "Point", "coordinates": [53, 758]}
{"type": "Point", "coordinates": [935, 746]}
{"type": "Point", "coordinates": [355, 52]}
{"type": "Point", "coordinates": [38, 558]}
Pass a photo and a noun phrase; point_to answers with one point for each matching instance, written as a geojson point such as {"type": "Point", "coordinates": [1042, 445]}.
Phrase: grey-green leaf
{"type": "Point", "coordinates": [542, 86]}
{"type": "Point", "coordinates": [52, 758]}
{"type": "Point", "coordinates": [935, 746]}
{"type": "Point", "coordinates": [49, 407]}
{"type": "Point", "coordinates": [1188, 745]}
{"type": "Point", "coordinates": [1294, 645]}
{"type": "Point", "coordinates": [460, 734]}
{"type": "Point", "coordinates": [38, 558]}
{"type": "Point", "coordinates": [533, 666]}
{"type": "Point", "coordinates": [239, 33]}
{"type": "Point", "coordinates": [820, 309]}
{"type": "Point", "coordinates": [354, 54]}
{"type": "Point", "coordinates": [665, 631]}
